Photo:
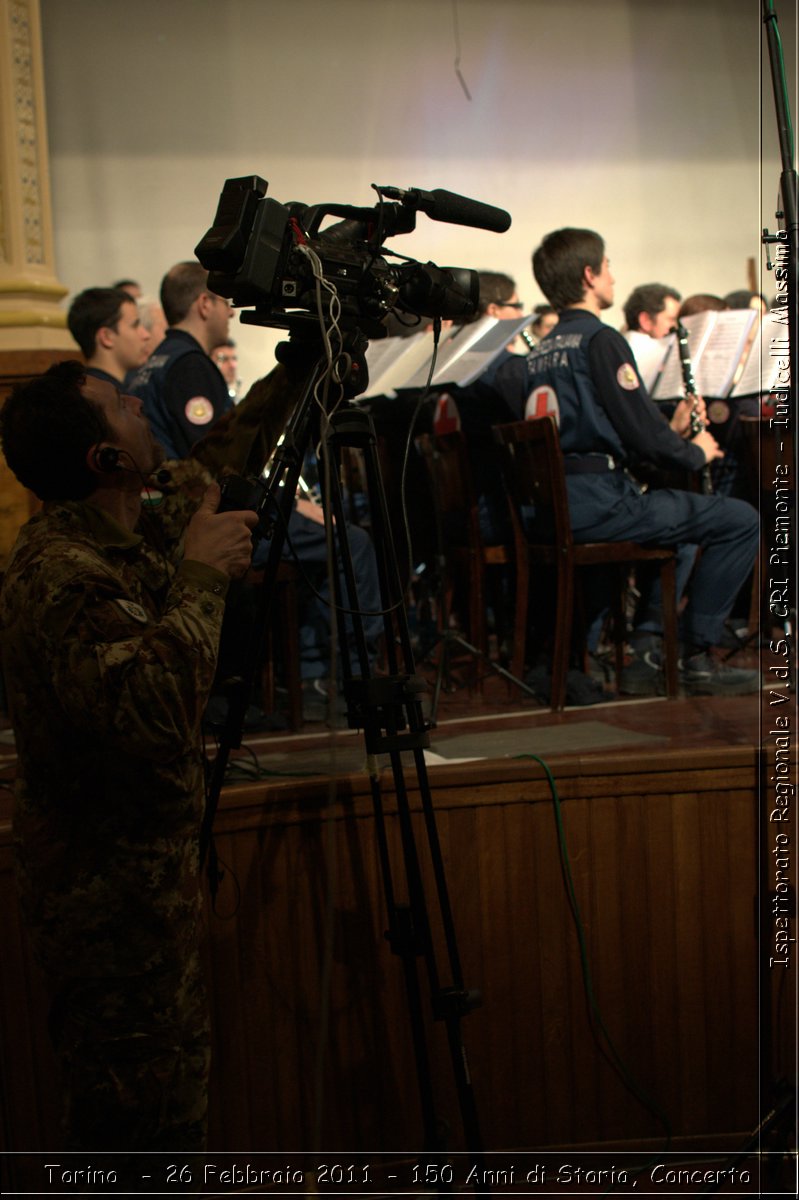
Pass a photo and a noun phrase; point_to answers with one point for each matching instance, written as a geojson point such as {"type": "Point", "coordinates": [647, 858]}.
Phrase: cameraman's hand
{"type": "Point", "coordinates": [220, 540]}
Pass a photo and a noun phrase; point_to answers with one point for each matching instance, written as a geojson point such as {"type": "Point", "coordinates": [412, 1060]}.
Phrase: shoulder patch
{"type": "Point", "coordinates": [199, 410]}
{"type": "Point", "coordinates": [627, 378]}
{"type": "Point", "coordinates": [133, 610]}
{"type": "Point", "coordinates": [718, 412]}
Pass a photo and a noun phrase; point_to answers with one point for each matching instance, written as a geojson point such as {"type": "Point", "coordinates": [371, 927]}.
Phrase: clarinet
{"type": "Point", "coordinates": [689, 383]}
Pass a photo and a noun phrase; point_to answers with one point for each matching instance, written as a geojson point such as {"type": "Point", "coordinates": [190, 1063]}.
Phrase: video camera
{"type": "Point", "coordinates": [272, 258]}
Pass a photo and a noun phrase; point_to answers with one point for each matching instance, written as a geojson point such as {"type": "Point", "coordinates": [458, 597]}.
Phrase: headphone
{"type": "Point", "coordinates": [105, 458]}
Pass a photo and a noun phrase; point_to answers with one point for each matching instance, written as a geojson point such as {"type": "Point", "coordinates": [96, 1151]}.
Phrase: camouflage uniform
{"type": "Point", "coordinates": [110, 644]}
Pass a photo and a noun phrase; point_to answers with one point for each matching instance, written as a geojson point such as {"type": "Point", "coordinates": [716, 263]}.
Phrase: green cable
{"type": "Point", "coordinates": [627, 1078]}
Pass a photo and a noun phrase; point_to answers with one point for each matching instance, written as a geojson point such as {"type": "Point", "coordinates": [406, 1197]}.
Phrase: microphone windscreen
{"type": "Point", "coordinates": [460, 210]}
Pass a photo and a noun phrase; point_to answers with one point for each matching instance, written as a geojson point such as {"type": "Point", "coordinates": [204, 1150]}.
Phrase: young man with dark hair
{"type": "Point", "coordinates": [652, 309]}
{"type": "Point", "coordinates": [105, 323]}
{"type": "Point", "coordinates": [226, 357]}
{"type": "Point", "coordinates": [585, 373]}
{"type": "Point", "coordinates": [110, 624]}
{"type": "Point", "coordinates": [498, 295]}
{"type": "Point", "coordinates": [131, 286]}
{"type": "Point", "coordinates": [182, 389]}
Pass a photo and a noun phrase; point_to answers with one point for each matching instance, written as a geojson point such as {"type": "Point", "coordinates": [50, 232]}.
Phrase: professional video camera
{"type": "Point", "coordinates": [276, 260]}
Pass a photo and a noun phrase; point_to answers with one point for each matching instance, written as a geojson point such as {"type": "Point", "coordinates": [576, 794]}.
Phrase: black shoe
{"type": "Point", "coordinates": [701, 675]}
{"type": "Point", "coordinates": [735, 635]}
{"type": "Point", "coordinates": [601, 669]}
{"type": "Point", "coordinates": [315, 701]}
{"type": "Point", "coordinates": [581, 689]}
{"type": "Point", "coordinates": [643, 675]}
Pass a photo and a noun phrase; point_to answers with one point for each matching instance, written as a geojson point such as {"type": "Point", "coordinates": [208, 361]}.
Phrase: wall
{"type": "Point", "coordinates": [638, 118]}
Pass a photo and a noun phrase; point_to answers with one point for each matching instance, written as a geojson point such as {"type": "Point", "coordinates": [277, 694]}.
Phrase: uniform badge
{"type": "Point", "coordinates": [447, 418]}
{"type": "Point", "coordinates": [133, 610]}
{"type": "Point", "coordinates": [152, 498]}
{"type": "Point", "coordinates": [718, 412]}
{"type": "Point", "coordinates": [542, 400]}
{"type": "Point", "coordinates": [199, 410]}
{"type": "Point", "coordinates": [627, 378]}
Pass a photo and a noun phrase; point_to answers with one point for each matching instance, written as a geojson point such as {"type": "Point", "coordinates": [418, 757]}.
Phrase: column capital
{"type": "Point", "coordinates": [30, 292]}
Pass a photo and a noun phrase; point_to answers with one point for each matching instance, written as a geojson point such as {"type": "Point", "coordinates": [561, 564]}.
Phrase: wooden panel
{"type": "Point", "coordinates": [16, 503]}
{"type": "Point", "coordinates": [312, 1044]}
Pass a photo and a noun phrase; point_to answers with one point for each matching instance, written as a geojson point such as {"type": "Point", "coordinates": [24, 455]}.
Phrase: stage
{"type": "Point", "coordinates": [647, 817]}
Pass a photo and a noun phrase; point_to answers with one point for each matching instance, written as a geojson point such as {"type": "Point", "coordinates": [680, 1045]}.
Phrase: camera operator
{"type": "Point", "coordinates": [111, 611]}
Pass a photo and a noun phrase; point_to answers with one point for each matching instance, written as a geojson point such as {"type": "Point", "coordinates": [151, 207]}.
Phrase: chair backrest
{"type": "Point", "coordinates": [447, 462]}
{"type": "Point", "coordinates": [535, 479]}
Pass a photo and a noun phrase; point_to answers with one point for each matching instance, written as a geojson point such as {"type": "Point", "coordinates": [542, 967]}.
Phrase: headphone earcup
{"type": "Point", "coordinates": [106, 458]}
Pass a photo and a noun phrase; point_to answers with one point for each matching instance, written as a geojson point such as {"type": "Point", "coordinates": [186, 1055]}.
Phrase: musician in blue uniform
{"type": "Point", "coordinates": [584, 371]}
{"type": "Point", "coordinates": [183, 391]}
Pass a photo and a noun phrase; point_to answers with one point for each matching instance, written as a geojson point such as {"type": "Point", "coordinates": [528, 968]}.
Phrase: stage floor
{"type": "Point", "coordinates": [501, 723]}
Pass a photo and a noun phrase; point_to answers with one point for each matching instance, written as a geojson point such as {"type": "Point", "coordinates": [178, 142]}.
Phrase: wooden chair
{"type": "Point", "coordinates": [284, 619]}
{"type": "Point", "coordinates": [465, 556]}
{"type": "Point", "coordinates": [535, 478]}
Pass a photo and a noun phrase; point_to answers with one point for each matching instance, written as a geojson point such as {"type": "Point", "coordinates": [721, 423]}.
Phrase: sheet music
{"type": "Point", "coordinates": [768, 363]}
{"type": "Point", "coordinates": [722, 351]}
{"type": "Point", "coordinates": [716, 341]}
{"type": "Point", "coordinates": [392, 360]}
{"type": "Point", "coordinates": [471, 349]}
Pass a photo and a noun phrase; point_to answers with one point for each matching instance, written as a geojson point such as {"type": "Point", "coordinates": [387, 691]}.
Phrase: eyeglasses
{"type": "Point", "coordinates": [510, 304]}
{"type": "Point", "coordinates": [226, 358]}
{"type": "Point", "coordinates": [222, 299]}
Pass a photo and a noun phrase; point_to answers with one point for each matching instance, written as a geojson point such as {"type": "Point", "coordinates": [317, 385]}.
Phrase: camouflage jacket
{"type": "Point", "coordinates": [109, 643]}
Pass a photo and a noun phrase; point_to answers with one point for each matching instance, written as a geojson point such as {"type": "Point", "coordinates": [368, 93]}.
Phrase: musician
{"type": "Point", "coordinates": [585, 372]}
{"type": "Point", "coordinates": [479, 409]}
{"type": "Point", "coordinates": [652, 309]}
{"type": "Point", "coordinates": [544, 321]}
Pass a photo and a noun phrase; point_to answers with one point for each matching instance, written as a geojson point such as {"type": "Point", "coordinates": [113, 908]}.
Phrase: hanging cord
{"type": "Point", "coordinates": [457, 36]}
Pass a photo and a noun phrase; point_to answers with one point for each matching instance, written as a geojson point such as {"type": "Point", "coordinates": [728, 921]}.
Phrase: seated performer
{"type": "Point", "coordinates": [585, 372]}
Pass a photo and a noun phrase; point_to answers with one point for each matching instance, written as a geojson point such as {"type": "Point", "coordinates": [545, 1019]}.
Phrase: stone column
{"type": "Point", "coordinates": [31, 317]}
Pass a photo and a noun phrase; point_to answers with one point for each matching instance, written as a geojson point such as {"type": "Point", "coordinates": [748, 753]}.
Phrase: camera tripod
{"type": "Point", "coordinates": [387, 708]}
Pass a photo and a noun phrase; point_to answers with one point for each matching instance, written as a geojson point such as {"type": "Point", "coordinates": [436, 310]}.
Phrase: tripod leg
{"type": "Point", "coordinates": [390, 712]}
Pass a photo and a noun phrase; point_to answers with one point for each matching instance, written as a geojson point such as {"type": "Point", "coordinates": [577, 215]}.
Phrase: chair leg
{"type": "Point", "coordinates": [286, 604]}
{"type": "Point", "coordinates": [618, 618]}
{"type": "Point", "coordinates": [564, 618]}
{"type": "Point", "coordinates": [520, 615]}
{"type": "Point", "coordinates": [477, 617]}
{"type": "Point", "coordinates": [758, 588]}
{"type": "Point", "coordinates": [291, 655]}
{"type": "Point", "coordinates": [668, 592]}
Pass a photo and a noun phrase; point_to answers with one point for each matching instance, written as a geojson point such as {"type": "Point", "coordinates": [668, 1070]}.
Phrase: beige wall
{"type": "Point", "coordinates": [637, 118]}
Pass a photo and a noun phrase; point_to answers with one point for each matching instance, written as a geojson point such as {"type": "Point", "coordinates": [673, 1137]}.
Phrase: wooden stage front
{"type": "Point", "coordinates": [666, 832]}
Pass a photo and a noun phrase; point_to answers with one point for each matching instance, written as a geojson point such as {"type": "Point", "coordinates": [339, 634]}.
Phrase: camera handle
{"type": "Point", "coordinates": [389, 710]}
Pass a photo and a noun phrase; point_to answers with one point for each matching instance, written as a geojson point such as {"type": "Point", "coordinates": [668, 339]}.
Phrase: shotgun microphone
{"type": "Point", "coordinates": [441, 205]}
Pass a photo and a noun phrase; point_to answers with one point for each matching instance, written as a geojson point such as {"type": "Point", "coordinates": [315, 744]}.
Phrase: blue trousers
{"type": "Point", "coordinates": [306, 545]}
{"type": "Point", "coordinates": [611, 508]}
